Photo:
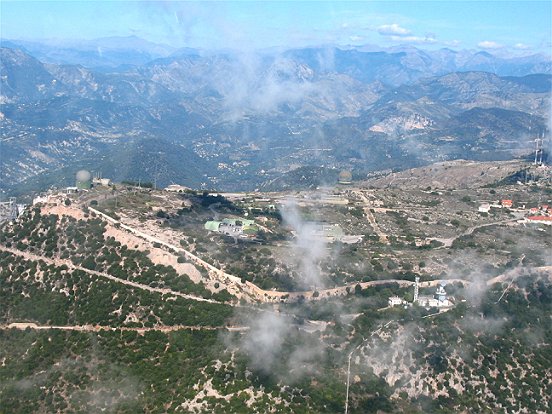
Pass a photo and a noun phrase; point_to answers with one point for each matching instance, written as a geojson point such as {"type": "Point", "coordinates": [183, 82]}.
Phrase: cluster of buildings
{"type": "Point", "coordinates": [85, 181]}
{"type": "Point", "coordinates": [541, 214]}
{"type": "Point", "coordinates": [236, 228]}
{"type": "Point", "coordinates": [439, 299]}
{"type": "Point", "coordinates": [506, 203]}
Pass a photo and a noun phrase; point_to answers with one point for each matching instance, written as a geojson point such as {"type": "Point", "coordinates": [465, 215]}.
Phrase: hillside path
{"type": "Point", "coordinates": [70, 265]}
{"type": "Point", "coordinates": [97, 328]}
{"type": "Point", "coordinates": [383, 238]}
{"type": "Point", "coordinates": [447, 242]}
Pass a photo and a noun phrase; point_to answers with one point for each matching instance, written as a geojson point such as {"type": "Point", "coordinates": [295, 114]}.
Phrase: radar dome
{"type": "Point", "coordinates": [83, 179]}
{"type": "Point", "coordinates": [345, 177]}
{"type": "Point", "coordinates": [83, 175]}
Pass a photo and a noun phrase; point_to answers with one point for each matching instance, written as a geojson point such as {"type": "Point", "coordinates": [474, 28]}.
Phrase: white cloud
{"type": "Point", "coordinates": [414, 39]}
{"type": "Point", "coordinates": [355, 38]}
{"type": "Point", "coordinates": [393, 30]}
{"type": "Point", "coordinates": [521, 46]}
{"type": "Point", "coordinates": [453, 43]}
{"type": "Point", "coordinates": [487, 44]}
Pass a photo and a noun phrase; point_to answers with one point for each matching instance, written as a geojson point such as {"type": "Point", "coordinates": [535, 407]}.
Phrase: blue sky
{"type": "Point", "coordinates": [500, 26]}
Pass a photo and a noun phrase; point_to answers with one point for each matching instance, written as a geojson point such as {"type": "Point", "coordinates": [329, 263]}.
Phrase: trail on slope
{"type": "Point", "coordinates": [70, 265]}
{"type": "Point", "coordinates": [97, 328]}
{"type": "Point", "coordinates": [447, 242]}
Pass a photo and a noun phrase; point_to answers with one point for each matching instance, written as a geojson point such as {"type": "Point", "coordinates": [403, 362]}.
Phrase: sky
{"type": "Point", "coordinates": [499, 26]}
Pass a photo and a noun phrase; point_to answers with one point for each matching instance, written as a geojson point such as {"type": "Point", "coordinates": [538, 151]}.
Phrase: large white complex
{"type": "Point", "coordinates": [439, 299]}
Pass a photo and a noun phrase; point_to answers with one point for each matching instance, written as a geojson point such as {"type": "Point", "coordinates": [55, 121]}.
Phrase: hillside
{"type": "Point", "coordinates": [121, 299]}
{"type": "Point", "coordinates": [451, 174]}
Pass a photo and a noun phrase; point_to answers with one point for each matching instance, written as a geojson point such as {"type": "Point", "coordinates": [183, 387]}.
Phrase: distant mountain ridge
{"type": "Point", "coordinates": [108, 52]}
{"type": "Point", "coordinates": [242, 120]}
{"type": "Point", "coordinates": [404, 62]}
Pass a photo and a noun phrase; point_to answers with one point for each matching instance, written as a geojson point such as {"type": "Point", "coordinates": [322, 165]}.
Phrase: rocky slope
{"type": "Point", "coordinates": [240, 120]}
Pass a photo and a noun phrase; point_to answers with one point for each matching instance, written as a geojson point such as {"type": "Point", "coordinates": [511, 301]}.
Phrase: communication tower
{"type": "Point", "coordinates": [8, 210]}
{"type": "Point", "coordinates": [416, 289]}
{"type": "Point", "coordinates": [539, 142]}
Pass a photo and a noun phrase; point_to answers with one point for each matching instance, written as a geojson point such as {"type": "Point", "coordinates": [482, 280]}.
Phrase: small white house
{"type": "Point", "coordinates": [484, 208]}
{"type": "Point", "coordinates": [396, 301]}
{"type": "Point", "coordinates": [177, 188]}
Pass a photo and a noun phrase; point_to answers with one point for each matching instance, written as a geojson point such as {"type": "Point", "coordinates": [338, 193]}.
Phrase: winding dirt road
{"type": "Point", "coordinates": [234, 283]}
{"type": "Point", "coordinates": [70, 265]}
{"type": "Point", "coordinates": [98, 328]}
{"type": "Point", "coordinates": [448, 241]}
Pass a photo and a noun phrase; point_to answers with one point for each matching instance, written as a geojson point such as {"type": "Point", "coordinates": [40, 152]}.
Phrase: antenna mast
{"type": "Point", "coordinates": [538, 151]}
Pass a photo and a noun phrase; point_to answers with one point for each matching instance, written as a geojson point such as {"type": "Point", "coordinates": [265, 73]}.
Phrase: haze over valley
{"type": "Point", "coordinates": [240, 121]}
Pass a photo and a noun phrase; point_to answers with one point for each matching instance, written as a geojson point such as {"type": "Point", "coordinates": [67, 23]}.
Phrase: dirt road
{"type": "Point", "coordinates": [383, 238]}
{"type": "Point", "coordinates": [447, 242]}
{"type": "Point", "coordinates": [234, 283]}
{"type": "Point", "coordinates": [70, 265]}
{"type": "Point", "coordinates": [97, 328]}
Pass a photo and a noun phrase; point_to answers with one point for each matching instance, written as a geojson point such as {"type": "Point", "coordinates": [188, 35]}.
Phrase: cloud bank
{"type": "Point", "coordinates": [393, 30]}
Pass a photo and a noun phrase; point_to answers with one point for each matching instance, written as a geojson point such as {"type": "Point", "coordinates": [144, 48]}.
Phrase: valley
{"type": "Point", "coordinates": [290, 123]}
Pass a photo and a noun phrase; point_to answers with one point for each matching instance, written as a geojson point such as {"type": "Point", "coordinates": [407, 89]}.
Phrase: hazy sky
{"type": "Point", "coordinates": [495, 25]}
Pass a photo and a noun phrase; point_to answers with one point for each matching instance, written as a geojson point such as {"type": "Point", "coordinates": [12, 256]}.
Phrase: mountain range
{"type": "Point", "coordinates": [136, 110]}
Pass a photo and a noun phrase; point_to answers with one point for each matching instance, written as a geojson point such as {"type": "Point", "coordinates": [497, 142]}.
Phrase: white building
{"type": "Point", "coordinates": [101, 181]}
{"type": "Point", "coordinates": [177, 188]}
{"type": "Point", "coordinates": [396, 301]}
{"type": "Point", "coordinates": [41, 199]}
{"type": "Point", "coordinates": [439, 300]}
{"type": "Point", "coordinates": [484, 208]}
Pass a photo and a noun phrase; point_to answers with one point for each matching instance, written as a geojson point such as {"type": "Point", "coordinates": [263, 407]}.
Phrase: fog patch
{"type": "Point", "coordinates": [310, 247]}
{"type": "Point", "coordinates": [274, 345]}
{"type": "Point", "coordinates": [254, 84]}
{"type": "Point", "coordinates": [479, 324]}
{"type": "Point", "coordinates": [107, 396]}
{"type": "Point", "coordinates": [108, 386]}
